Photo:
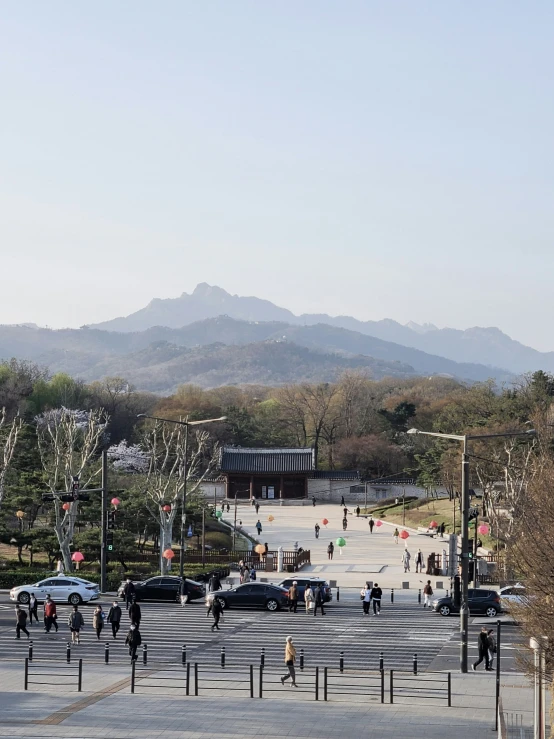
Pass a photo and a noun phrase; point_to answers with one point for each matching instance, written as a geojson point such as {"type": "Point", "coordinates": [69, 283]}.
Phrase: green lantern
{"type": "Point", "coordinates": [218, 514]}
{"type": "Point", "coordinates": [340, 542]}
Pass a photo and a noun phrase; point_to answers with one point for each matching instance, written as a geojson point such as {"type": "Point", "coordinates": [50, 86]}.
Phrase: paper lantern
{"type": "Point", "coordinates": [115, 502]}
{"type": "Point", "coordinates": [404, 534]}
{"type": "Point", "coordinates": [77, 557]}
{"type": "Point", "coordinates": [340, 542]}
{"type": "Point", "coordinates": [483, 529]}
{"type": "Point", "coordinates": [433, 525]}
{"type": "Point", "coordinates": [325, 522]}
{"type": "Point", "coordinates": [168, 554]}
{"type": "Point", "coordinates": [270, 519]}
{"type": "Point", "coordinates": [378, 523]}
{"type": "Point", "coordinates": [166, 508]}
{"type": "Point", "coordinates": [218, 514]}
{"type": "Point", "coordinates": [20, 514]}
{"type": "Point", "coordinates": [66, 506]}
{"type": "Point", "coordinates": [259, 549]}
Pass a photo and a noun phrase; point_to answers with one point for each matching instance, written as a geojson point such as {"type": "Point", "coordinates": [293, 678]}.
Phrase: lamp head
{"type": "Point", "coordinates": [413, 431]}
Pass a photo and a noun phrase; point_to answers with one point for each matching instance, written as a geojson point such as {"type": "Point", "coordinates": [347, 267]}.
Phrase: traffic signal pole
{"type": "Point", "coordinates": [104, 525]}
{"type": "Point", "coordinates": [464, 608]}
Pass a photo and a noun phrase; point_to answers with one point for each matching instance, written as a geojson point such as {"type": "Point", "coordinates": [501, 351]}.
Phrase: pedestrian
{"type": "Point", "coordinates": [20, 622]}
{"type": "Point", "coordinates": [344, 523]}
{"type": "Point", "coordinates": [345, 511]}
{"type": "Point", "coordinates": [257, 507]}
{"type": "Point", "coordinates": [442, 527]}
{"type": "Point", "coordinates": [376, 595]}
{"type": "Point", "coordinates": [49, 615]}
{"type": "Point", "coordinates": [290, 658]}
{"type": "Point", "coordinates": [223, 507]}
{"type": "Point", "coordinates": [492, 646]}
{"type": "Point", "coordinates": [366, 598]}
{"type": "Point", "coordinates": [319, 598]}
{"type": "Point", "coordinates": [371, 525]}
{"type": "Point", "coordinates": [98, 620]}
{"type": "Point", "coordinates": [406, 557]}
{"type": "Point", "coordinates": [246, 575]}
{"type": "Point", "coordinates": [59, 567]}
{"type": "Point", "coordinates": [293, 597]}
{"type": "Point", "coordinates": [419, 561]}
{"type": "Point", "coordinates": [313, 500]}
{"type": "Point", "coordinates": [330, 550]}
{"type": "Point", "coordinates": [357, 511]}
{"type": "Point", "coordinates": [253, 574]}
{"type": "Point", "coordinates": [395, 536]}
{"type": "Point", "coordinates": [114, 618]}
{"type": "Point", "coordinates": [183, 591]}
{"type": "Point", "coordinates": [75, 622]}
{"type": "Point", "coordinates": [427, 593]}
{"type": "Point", "coordinates": [229, 508]}
{"type": "Point", "coordinates": [242, 569]}
{"type": "Point", "coordinates": [259, 526]}
{"type": "Point", "coordinates": [33, 609]}
{"type": "Point", "coordinates": [128, 592]}
{"type": "Point", "coordinates": [134, 640]}
{"type": "Point", "coordinates": [483, 648]}
{"type": "Point", "coordinates": [316, 529]}
{"type": "Point", "coordinates": [217, 610]}
{"type": "Point", "coordinates": [342, 500]}
{"type": "Point", "coordinates": [134, 614]}
{"type": "Point", "coordinates": [309, 598]}
{"type": "Point", "coordinates": [214, 583]}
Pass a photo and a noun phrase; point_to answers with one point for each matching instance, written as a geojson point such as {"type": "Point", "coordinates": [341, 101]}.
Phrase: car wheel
{"type": "Point", "coordinates": [75, 599]}
{"type": "Point", "coordinates": [222, 602]}
{"type": "Point", "coordinates": [272, 605]}
{"type": "Point", "coordinates": [444, 610]}
{"type": "Point", "coordinates": [491, 611]}
{"type": "Point", "coordinates": [23, 597]}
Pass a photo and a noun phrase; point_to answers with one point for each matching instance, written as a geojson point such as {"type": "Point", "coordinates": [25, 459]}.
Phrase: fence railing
{"type": "Point", "coordinates": [429, 685]}
{"type": "Point", "coordinates": [349, 683]}
{"type": "Point", "coordinates": [66, 675]}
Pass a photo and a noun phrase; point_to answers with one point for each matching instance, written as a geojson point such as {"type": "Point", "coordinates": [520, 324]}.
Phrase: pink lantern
{"type": "Point", "coordinates": [168, 554]}
{"type": "Point", "coordinates": [404, 534]}
{"type": "Point", "coordinates": [325, 522]}
{"type": "Point", "coordinates": [66, 506]}
{"type": "Point", "coordinates": [483, 529]}
{"type": "Point", "coordinates": [433, 525]}
{"type": "Point", "coordinates": [378, 523]}
{"type": "Point", "coordinates": [166, 508]}
{"type": "Point", "coordinates": [77, 557]}
{"type": "Point", "coordinates": [115, 502]}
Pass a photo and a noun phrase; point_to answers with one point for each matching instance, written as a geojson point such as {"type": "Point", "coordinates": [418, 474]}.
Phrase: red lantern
{"type": "Point", "coordinates": [325, 522]}
{"type": "Point", "coordinates": [115, 502]}
{"type": "Point", "coordinates": [404, 534]}
{"type": "Point", "coordinates": [378, 523]}
{"type": "Point", "coordinates": [483, 529]}
{"type": "Point", "coordinates": [433, 525]}
{"type": "Point", "coordinates": [66, 506]}
{"type": "Point", "coordinates": [166, 508]}
{"type": "Point", "coordinates": [169, 554]}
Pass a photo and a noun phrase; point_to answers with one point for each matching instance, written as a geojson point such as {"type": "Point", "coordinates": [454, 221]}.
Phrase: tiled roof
{"type": "Point", "coordinates": [335, 475]}
{"type": "Point", "coordinates": [270, 461]}
{"type": "Point", "coordinates": [399, 479]}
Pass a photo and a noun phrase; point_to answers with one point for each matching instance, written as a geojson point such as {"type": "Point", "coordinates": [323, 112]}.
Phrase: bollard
{"type": "Point", "coordinates": [68, 652]}
{"type": "Point", "coordinates": [107, 653]}
{"type": "Point", "coordinates": [392, 595]}
{"type": "Point", "coordinates": [301, 659]}
{"type": "Point", "coordinates": [381, 662]}
{"type": "Point", "coordinates": [341, 662]}
{"type": "Point", "coordinates": [223, 656]}
{"type": "Point", "coordinates": [415, 664]}
{"type": "Point", "coordinates": [184, 654]}
{"type": "Point", "coordinates": [31, 651]}
{"type": "Point", "coordinates": [419, 596]}
{"type": "Point", "coordinates": [338, 593]}
{"type": "Point", "coordinates": [262, 657]}
{"type": "Point", "coordinates": [145, 654]}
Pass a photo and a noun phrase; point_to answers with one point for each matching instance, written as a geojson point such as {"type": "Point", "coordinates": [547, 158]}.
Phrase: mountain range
{"type": "Point", "coordinates": [212, 338]}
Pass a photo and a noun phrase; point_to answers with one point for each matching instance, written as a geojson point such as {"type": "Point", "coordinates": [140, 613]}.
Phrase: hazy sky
{"type": "Point", "coordinates": [378, 159]}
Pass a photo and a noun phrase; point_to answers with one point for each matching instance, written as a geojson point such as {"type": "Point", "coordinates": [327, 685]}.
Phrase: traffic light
{"type": "Point", "coordinates": [109, 541]}
{"type": "Point", "coordinates": [111, 520]}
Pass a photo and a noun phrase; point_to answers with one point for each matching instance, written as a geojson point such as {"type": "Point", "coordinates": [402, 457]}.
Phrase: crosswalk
{"type": "Point", "coordinates": [402, 630]}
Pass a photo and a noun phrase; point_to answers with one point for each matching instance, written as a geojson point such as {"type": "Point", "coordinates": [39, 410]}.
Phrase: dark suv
{"type": "Point", "coordinates": [480, 601]}
{"type": "Point", "coordinates": [302, 584]}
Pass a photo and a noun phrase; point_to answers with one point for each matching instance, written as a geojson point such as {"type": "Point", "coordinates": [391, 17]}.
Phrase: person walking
{"type": "Point", "coordinates": [308, 598]}
{"type": "Point", "coordinates": [214, 583]}
{"type": "Point", "coordinates": [406, 557]}
{"type": "Point", "coordinates": [483, 648]}
{"type": "Point", "coordinates": [319, 598]}
{"type": "Point", "coordinates": [75, 622]}
{"type": "Point", "coordinates": [259, 527]}
{"type": "Point", "coordinates": [313, 500]}
{"type": "Point", "coordinates": [316, 529]}
{"type": "Point", "coordinates": [371, 525]}
{"type": "Point", "coordinates": [129, 593]}
{"type": "Point", "coordinates": [98, 620]}
{"type": "Point", "coordinates": [257, 507]}
{"type": "Point", "coordinates": [395, 536]}
{"type": "Point", "coordinates": [342, 500]}
{"type": "Point", "coordinates": [246, 575]}
{"type": "Point", "coordinates": [134, 614]}
{"type": "Point", "coordinates": [492, 646]}
{"type": "Point", "coordinates": [33, 609]}
{"type": "Point", "coordinates": [50, 615]}
{"type": "Point", "coordinates": [427, 594]}
{"type": "Point", "coordinates": [133, 640]}
{"type": "Point", "coordinates": [253, 575]}
{"type": "Point", "coordinates": [20, 622]}
{"type": "Point", "coordinates": [114, 618]}
{"type": "Point", "coordinates": [290, 659]}
{"type": "Point", "coordinates": [228, 508]}
{"type": "Point", "coordinates": [366, 598]}
{"type": "Point", "coordinates": [419, 561]}
{"type": "Point", "coordinates": [357, 511]}
{"type": "Point", "coordinates": [217, 611]}
{"type": "Point", "coordinates": [183, 592]}
{"type": "Point", "coordinates": [344, 523]}
{"type": "Point", "coordinates": [293, 597]}
{"type": "Point", "coordinates": [345, 511]}
{"type": "Point", "coordinates": [330, 550]}
{"type": "Point", "coordinates": [376, 595]}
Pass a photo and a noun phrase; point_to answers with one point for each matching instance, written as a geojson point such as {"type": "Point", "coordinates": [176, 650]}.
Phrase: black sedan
{"type": "Point", "coordinates": [164, 588]}
{"type": "Point", "coordinates": [480, 601]}
{"type": "Point", "coordinates": [303, 582]}
{"type": "Point", "coordinates": [252, 595]}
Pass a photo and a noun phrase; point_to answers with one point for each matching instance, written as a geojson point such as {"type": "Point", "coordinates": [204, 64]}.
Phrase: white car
{"type": "Point", "coordinates": [62, 589]}
{"type": "Point", "coordinates": [512, 594]}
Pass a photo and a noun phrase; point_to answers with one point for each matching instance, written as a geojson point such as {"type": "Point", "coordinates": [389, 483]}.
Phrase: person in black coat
{"type": "Point", "coordinates": [114, 618]}
{"type": "Point", "coordinates": [134, 640]}
{"type": "Point", "coordinates": [184, 591]}
{"type": "Point", "coordinates": [20, 622]}
{"type": "Point", "coordinates": [129, 593]}
{"type": "Point", "coordinates": [214, 584]}
{"type": "Point", "coordinates": [134, 613]}
{"type": "Point", "coordinates": [483, 647]}
{"type": "Point", "coordinates": [319, 598]}
{"type": "Point", "coordinates": [217, 610]}
{"type": "Point", "coordinates": [376, 595]}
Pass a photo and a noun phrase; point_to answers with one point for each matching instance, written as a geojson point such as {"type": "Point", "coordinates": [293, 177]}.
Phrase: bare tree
{"type": "Point", "coordinates": [68, 441]}
{"type": "Point", "coordinates": [9, 431]}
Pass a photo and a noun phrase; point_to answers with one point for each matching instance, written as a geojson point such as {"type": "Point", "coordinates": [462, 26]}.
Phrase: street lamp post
{"type": "Point", "coordinates": [465, 505]}
{"type": "Point", "coordinates": [186, 423]}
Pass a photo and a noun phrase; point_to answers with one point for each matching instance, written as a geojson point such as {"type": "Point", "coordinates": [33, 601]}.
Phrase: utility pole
{"type": "Point", "coordinates": [203, 536]}
{"type": "Point", "coordinates": [464, 609]}
{"type": "Point", "coordinates": [403, 506]}
{"type": "Point", "coordinates": [235, 526]}
{"type": "Point", "coordinates": [104, 524]}
{"type": "Point", "coordinates": [184, 500]}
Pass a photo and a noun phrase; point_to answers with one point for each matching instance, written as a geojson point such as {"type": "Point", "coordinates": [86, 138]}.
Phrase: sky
{"type": "Point", "coordinates": [374, 159]}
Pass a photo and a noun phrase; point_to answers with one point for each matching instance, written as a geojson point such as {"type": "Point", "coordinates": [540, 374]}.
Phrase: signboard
{"type": "Point", "coordinates": [264, 491]}
{"type": "Point", "coordinates": [271, 491]}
